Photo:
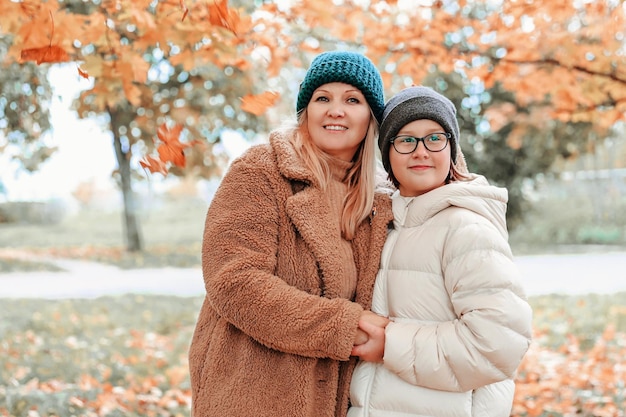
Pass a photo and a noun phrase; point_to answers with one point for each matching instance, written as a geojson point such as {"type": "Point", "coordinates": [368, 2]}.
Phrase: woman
{"type": "Point", "coordinates": [291, 248]}
{"type": "Point", "coordinates": [459, 320]}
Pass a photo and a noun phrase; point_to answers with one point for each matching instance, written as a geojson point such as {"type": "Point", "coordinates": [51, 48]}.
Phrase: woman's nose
{"type": "Point", "coordinates": [336, 110]}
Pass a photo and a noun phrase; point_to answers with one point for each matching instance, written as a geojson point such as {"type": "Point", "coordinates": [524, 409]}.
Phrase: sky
{"type": "Point", "coordinates": [85, 149]}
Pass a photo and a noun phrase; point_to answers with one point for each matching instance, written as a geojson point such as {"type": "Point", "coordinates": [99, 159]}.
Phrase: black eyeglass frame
{"type": "Point", "coordinates": [447, 135]}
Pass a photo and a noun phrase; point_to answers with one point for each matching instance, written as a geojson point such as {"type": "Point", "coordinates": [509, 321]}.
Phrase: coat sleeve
{"type": "Point", "coordinates": [239, 257]}
{"type": "Point", "coordinates": [492, 332]}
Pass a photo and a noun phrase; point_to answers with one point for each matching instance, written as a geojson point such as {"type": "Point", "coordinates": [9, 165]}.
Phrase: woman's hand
{"type": "Point", "coordinates": [361, 337]}
{"type": "Point", "coordinates": [372, 327]}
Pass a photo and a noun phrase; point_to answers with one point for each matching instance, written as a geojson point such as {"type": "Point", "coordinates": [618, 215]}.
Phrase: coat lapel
{"type": "Point", "coordinates": [368, 245]}
{"type": "Point", "coordinates": [310, 213]}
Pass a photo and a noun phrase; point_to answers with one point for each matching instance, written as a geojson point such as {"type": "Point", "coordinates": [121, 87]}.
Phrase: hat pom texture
{"type": "Point", "coordinates": [344, 67]}
{"type": "Point", "coordinates": [416, 103]}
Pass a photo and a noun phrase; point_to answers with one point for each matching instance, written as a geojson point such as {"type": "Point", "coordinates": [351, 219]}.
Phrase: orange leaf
{"type": "Point", "coordinates": [169, 135]}
{"type": "Point", "coordinates": [153, 165]}
{"type": "Point", "coordinates": [29, 9]}
{"type": "Point", "coordinates": [83, 73]}
{"type": "Point", "coordinates": [132, 92]}
{"type": "Point", "coordinates": [171, 150]}
{"type": "Point", "coordinates": [52, 53]}
{"type": "Point", "coordinates": [172, 153]}
{"type": "Point", "coordinates": [258, 104]}
{"type": "Point", "coordinates": [185, 10]}
{"type": "Point", "coordinates": [221, 15]}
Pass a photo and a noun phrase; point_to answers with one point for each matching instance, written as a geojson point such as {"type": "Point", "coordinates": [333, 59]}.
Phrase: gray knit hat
{"type": "Point", "coordinates": [416, 103]}
{"type": "Point", "coordinates": [345, 67]}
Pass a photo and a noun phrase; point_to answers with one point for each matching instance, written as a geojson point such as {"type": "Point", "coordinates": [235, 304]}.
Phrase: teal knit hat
{"type": "Point", "coordinates": [344, 67]}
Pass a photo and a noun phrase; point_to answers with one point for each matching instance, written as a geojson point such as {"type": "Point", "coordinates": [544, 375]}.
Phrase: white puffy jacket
{"type": "Point", "coordinates": [460, 320]}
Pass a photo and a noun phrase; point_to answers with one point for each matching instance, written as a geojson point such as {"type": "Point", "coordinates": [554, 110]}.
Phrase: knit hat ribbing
{"type": "Point", "coordinates": [345, 67]}
{"type": "Point", "coordinates": [416, 103]}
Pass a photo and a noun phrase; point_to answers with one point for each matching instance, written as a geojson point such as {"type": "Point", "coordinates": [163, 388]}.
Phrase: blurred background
{"type": "Point", "coordinates": [119, 117]}
{"type": "Point", "coordinates": [541, 93]}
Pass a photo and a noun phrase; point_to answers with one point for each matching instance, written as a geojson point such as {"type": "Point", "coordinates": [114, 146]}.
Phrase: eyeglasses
{"type": "Point", "coordinates": [435, 142]}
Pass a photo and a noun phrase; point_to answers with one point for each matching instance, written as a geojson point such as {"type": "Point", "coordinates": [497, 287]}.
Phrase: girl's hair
{"type": "Point", "coordinates": [457, 174]}
{"type": "Point", "coordinates": [360, 179]}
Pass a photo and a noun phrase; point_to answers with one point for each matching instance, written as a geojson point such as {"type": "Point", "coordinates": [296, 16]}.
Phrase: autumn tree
{"type": "Point", "coordinates": [545, 77]}
{"type": "Point", "coordinates": [156, 67]}
{"type": "Point", "coordinates": [515, 151]}
{"type": "Point", "coordinates": [515, 69]}
{"type": "Point", "coordinates": [533, 81]}
{"type": "Point", "coordinates": [25, 95]}
{"type": "Point", "coordinates": [566, 56]}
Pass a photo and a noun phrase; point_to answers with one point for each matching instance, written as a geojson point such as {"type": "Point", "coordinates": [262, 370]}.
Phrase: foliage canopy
{"type": "Point", "coordinates": [532, 80]}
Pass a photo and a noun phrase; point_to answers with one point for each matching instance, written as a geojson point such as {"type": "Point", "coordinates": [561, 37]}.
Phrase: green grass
{"type": "Point", "coordinates": [171, 232]}
{"type": "Point", "coordinates": [172, 235]}
{"type": "Point", "coordinates": [113, 355]}
{"type": "Point", "coordinates": [127, 355]}
{"type": "Point", "coordinates": [572, 220]}
{"type": "Point", "coordinates": [162, 221]}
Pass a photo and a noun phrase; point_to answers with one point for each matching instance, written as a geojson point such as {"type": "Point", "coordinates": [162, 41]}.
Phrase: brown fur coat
{"type": "Point", "coordinates": [273, 338]}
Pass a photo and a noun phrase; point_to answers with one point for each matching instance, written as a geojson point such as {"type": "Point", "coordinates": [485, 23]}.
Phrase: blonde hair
{"type": "Point", "coordinates": [361, 177]}
{"type": "Point", "coordinates": [458, 169]}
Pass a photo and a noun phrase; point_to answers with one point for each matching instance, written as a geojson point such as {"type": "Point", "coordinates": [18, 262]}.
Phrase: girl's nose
{"type": "Point", "coordinates": [420, 151]}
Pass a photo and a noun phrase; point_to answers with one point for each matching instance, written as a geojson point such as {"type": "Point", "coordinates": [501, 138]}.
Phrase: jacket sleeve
{"type": "Point", "coordinates": [492, 332]}
{"type": "Point", "coordinates": [239, 257]}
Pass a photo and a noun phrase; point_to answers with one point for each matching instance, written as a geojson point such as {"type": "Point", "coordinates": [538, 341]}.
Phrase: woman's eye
{"type": "Point", "coordinates": [354, 100]}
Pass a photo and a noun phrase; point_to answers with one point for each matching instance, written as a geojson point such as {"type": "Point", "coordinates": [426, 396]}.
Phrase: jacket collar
{"type": "Point", "coordinates": [475, 195]}
{"type": "Point", "coordinates": [289, 163]}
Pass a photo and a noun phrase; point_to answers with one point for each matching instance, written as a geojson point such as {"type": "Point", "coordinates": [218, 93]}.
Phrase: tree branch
{"type": "Point", "coordinates": [555, 62]}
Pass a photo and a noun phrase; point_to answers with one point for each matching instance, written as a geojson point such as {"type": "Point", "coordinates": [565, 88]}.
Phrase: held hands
{"type": "Point", "coordinates": [361, 337]}
{"type": "Point", "coordinates": [369, 344]}
{"type": "Point", "coordinates": [368, 316]}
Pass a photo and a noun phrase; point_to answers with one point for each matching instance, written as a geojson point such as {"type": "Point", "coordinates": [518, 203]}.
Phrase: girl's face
{"type": "Point", "coordinates": [422, 170]}
{"type": "Point", "coordinates": [338, 117]}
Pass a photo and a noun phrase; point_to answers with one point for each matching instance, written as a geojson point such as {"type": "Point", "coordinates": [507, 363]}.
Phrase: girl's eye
{"type": "Point", "coordinates": [321, 98]}
{"type": "Point", "coordinates": [354, 100]}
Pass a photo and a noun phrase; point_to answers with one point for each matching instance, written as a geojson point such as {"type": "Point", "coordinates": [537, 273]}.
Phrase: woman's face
{"type": "Point", "coordinates": [423, 170]}
{"type": "Point", "coordinates": [338, 117]}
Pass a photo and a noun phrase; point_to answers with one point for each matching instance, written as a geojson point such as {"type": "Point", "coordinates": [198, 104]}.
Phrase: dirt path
{"type": "Point", "coordinates": [602, 273]}
{"type": "Point", "coordinates": [91, 280]}
{"type": "Point", "coordinates": [566, 274]}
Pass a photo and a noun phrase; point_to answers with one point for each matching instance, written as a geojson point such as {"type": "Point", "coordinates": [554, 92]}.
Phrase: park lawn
{"type": "Point", "coordinates": [127, 356]}
{"type": "Point", "coordinates": [171, 233]}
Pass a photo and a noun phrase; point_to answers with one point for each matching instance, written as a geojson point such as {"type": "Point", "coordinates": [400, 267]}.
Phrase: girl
{"type": "Point", "coordinates": [459, 320]}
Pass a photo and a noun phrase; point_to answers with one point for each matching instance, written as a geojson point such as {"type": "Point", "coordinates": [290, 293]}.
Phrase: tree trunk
{"type": "Point", "coordinates": [134, 241]}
